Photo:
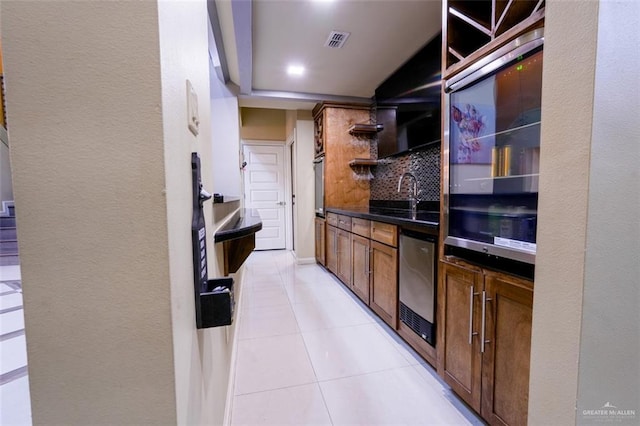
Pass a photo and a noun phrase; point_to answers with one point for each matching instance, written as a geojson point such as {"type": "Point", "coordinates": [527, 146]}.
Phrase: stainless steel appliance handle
{"type": "Point", "coordinates": [485, 299]}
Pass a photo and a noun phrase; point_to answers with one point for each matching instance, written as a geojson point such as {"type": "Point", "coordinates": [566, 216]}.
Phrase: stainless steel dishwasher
{"type": "Point", "coordinates": [418, 284]}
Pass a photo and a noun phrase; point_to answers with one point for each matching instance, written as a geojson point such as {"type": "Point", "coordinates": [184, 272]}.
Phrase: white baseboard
{"type": "Point", "coordinates": [228, 406]}
{"type": "Point", "coordinates": [305, 260]}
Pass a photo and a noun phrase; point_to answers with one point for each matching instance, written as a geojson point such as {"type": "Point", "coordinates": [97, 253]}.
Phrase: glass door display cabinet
{"type": "Point", "coordinates": [492, 152]}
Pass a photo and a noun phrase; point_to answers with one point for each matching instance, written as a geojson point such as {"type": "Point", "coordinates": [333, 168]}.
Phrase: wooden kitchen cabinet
{"type": "Point", "coordinates": [505, 361]}
{"type": "Point", "coordinates": [368, 266]}
{"type": "Point", "coordinates": [344, 256]}
{"type": "Point", "coordinates": [332, 122]}
{"type": "Point", "coordinates": [459, 320]}
{"type": "Point", "coordinates": [478, 304]}
{"type": "Point", "coordinates": [360, 250]}
{"type": "Point", "coordinates": [331, 242]}
{"type": "Point", "coordinates": [320, 225]}
{"type": "Point", "coordinates": [383, 296]}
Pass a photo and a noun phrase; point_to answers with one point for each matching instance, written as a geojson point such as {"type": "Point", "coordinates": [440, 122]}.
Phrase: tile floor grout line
{"type": "Point", "coordinates": [14, 284]}
{"type": "Point", "coordinates": [299, 332]}
{"type": "Point", "coordinates": [13, 308]}
{"type": "Point", "coordinates": [365, 373]}
{"type": "Point", "coordinates": [420, 371]}
{"type": "Point", "coordinates": [11, 335]}
{"type": "Point", "coordinates": [12, 375]}
{"type": "Point", "coordinates": [306, 348]}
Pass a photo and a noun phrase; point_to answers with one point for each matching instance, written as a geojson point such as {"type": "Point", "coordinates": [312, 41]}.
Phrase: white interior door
{"type": "Point", "coordinates": [264, 190]}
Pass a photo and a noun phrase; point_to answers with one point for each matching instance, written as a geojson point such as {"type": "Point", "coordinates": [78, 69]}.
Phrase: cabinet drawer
{"type": "Point", "coordinates": [384, 233]}
{"type": "Point", "coordinates": [332, 219]}
{"type": "Point", "coordinates": [344, 222]}
{"type": "Point", "coordinates": [361, 227]}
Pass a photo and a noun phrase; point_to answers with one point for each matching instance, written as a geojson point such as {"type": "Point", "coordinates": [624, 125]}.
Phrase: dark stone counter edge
{"type": "Point", "coordinates": [244, 222]}
{"type": "Point", "coordinates": [227, 199]}
{"type": "Point", "coordinates": [427, 226]}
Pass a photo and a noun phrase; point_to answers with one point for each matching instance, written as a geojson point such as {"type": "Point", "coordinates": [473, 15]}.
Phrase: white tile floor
{"type": "Point", "coordinates": [311, 353]}
{"type": "Point", "coordinates": [15, 406]}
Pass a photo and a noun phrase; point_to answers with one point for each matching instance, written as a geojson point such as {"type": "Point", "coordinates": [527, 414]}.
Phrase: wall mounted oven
{"type": "Point", "coordinates": [492, 152]}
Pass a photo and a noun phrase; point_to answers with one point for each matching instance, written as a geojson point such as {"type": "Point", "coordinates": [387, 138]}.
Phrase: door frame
{"type": "Point", "coordinates": [287, 182]}
{"type": "Point", "coordinates": [291, 165]}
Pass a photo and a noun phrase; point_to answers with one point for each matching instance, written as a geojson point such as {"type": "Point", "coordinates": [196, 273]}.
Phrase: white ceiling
{"type": "Point", "coordinates": [262, 40]}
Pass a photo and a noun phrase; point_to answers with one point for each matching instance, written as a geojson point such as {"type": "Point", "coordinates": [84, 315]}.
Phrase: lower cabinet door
{"type": "Point", "coordinates": [331, 242]}
{"type": "Point", "coordinates": [508, 308]}
{"type": "Point", "coordinates": [383, 296]}
{"type": "Point", "coordinates": [458, 345]}
{"type": "Point", "coordinates": [320, 240]}
{"type": "Point", "coordinates": [360, 247]}
{"type": "Point", "coordinates": [344, 257]}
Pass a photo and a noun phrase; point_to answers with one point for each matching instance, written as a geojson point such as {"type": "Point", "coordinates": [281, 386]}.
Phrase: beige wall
{"type": "Point", "coordinates": [225, 139]}
{"type": "Point", "coordinates": [89, 184]}
{"type": "Point", "coordinates": [588, 228]}
{"type": "Point", "coordinates": [103, 195]}
{"type": "Point", "coordinates": [263, 124]}
{"type": "Point", "coordinates": [567, 95]}
{"type": "Point", "coordinates": [201, 357]}
{"type": "Point", "coordinates": [609, 369]}
{"type": "Point", "coordinates": [6, 188]}
{"type": "Point", "coordinates": [299, 125]}
{"type": "Point", "coordinates": [305, 187]}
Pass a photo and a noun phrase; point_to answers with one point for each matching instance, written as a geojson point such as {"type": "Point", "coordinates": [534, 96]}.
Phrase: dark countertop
{"type": "Point", "coordinates": [245, 222]}
{"type": "Point", "coordinates": [425, 220]}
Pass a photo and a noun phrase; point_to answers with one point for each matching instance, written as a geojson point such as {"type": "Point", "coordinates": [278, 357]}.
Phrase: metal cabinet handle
{"type": "Point", "coordinates": [472, 294]}
{"type": "Point", "coordinates": [485, 299]}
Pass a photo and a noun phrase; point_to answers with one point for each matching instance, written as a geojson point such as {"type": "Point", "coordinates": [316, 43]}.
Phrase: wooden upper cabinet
{"type": "Point", "coordinates": [472, 29]}
{"type": "Point", "coordinates": [505, 366]}
{"type": "Point", "coordinates": [318, 135]}
{"type": "Point", "coordinates": [341, 188]}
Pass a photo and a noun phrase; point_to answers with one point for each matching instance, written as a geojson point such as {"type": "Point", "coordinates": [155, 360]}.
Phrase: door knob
{"type": "Point", "coordinates": [281, 203]}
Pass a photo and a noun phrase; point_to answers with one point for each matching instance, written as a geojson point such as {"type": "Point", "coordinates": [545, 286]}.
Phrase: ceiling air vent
{"type": "Point", "coordinates": [337, 39]}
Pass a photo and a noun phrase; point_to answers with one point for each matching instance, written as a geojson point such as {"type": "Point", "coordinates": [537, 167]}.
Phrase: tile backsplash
{"type": "Point", "coordinates": [424, 165]}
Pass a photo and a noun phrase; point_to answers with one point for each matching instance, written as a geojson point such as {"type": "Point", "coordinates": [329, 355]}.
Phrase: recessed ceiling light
{"type": "Point", "coordinates": [295, 70]}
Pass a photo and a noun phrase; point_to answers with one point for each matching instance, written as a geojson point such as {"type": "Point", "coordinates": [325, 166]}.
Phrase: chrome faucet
{"type": "Point", "coordinates": [413, 194]}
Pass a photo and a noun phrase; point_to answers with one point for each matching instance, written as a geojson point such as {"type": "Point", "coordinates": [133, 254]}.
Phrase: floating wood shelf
{"type": "Point", "coordinates": [365, 128]}
{"type": "Point", "coordinates": [363, 162]}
